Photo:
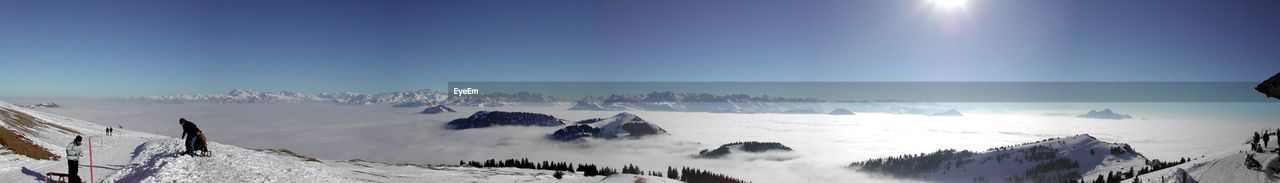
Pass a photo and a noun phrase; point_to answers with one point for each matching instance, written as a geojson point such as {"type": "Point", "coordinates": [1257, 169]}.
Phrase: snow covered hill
{"type": "Point", "coordinates": [742, 147]}
{"type": "Point", "coordinates": [1050, 160]}
{"type": "Point", "coordinates": [129, 156]}
{"type": "Point", "coordinates": [1226, 167]}
{"type": "Point", "coordinates": [621, 126]}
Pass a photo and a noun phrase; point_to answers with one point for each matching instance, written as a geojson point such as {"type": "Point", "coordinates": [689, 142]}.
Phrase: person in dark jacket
{"type": "Point", "coordinates": [1255, 144]}
{"type": "Point", "coordinates": [1266, 138]}
{"type": "Point", "coordinates": [73, 160]}
{"type": "Point", "coordinates": [189, 132]}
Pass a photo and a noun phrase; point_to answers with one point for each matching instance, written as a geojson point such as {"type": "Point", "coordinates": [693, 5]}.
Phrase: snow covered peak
{"type": "Point", "coordinates": [627, 125]}
{"type": "Point", "coordinates": [242, 92]}
{"type": "Point", "coordinates": [437, 109]}
{"type": "Point", "coordinates": [620, 126]}
{"type": "Point", "coordinates": [841, 111]}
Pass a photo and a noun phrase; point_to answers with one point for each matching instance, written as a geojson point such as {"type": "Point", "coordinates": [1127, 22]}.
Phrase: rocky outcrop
{"type": "Point", "coordinates": [1270, 87]}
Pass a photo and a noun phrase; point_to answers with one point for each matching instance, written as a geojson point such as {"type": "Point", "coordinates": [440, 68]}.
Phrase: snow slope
{"type": "Point", "coordinates": [130, 156]}
{"type": "Point", "coordinates": [1047, 160]}
{"type": "Point", "coordinates": [1226, 167]}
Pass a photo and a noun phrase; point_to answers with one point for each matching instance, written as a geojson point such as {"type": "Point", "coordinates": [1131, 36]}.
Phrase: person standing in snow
{"type": "Point", "coordinates": [1266, 138]}
{"type": "Point", "coordinates": [73, 160]}
{"type": "Point", "coordinates": [189, 132]}
{"type": "Point", "coordinates": [1256, 138]}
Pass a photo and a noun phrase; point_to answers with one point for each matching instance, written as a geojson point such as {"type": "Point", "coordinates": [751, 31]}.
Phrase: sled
{"type": "Point", "coordinates": [52, 177]}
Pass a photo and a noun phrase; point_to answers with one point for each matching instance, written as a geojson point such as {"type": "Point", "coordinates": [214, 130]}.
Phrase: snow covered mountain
{"type": "Point", "coordinates": [437, 109]}
{"type": "Point", "coordinates": [1050, 160]}
{"type": "Point", "coordinates": [588, 106]}
{"type": "Point", "coordinates": [951, 112]}
{"type": "Point", "coordinates": [421, 97]}
{"type": "Point", "coordinates": [621, 126]}
{"type": "Point", "coordinates": [483, 119]}
{"type": "Point", "coordinates": [1104, 114]}
{"type": "Point", "coordinates": [33, 142]}
{"type": "Point", "coordinates": [696, 102]}
{"type": "Point", "coordinates": [841, 111]}
{"type": "Point", "coordinates": [499, 99]}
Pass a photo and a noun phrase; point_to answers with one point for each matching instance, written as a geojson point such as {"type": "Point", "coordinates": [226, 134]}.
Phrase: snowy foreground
{"type": "Point", "coordinates": [130, 156]}
{"type": "Point", "coordinates": [1228, 167]}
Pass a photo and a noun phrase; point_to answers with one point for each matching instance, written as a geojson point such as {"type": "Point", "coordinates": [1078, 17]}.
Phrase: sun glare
{"type": "Point", "coordinates": [949, 5]}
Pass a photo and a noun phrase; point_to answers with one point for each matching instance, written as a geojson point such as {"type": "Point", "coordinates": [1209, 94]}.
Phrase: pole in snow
{"type": "Point", "coordinates": [90, 159]}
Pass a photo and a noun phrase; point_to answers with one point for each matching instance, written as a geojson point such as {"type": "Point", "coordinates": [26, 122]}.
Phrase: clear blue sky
{"type": "Point", "coordinates": [131, 47]}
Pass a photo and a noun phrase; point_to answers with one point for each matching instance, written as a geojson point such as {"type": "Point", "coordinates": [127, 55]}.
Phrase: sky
{"type": "Point", "coordinates": [148, 47]}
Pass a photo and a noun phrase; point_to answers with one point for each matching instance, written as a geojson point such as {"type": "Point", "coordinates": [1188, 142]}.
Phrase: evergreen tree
{"type": "Point", "coordinates": [673, 174]}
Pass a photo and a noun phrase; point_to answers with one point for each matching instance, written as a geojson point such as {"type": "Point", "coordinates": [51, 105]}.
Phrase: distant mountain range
{"type": "Point", "coordinates": [252, 96]}
{"type": "Point", "coordinates": [698, 102]}
{"type": "Point", "coordinates": [419, 98]}
{"type": "Point", "coordinates": [653, 101]}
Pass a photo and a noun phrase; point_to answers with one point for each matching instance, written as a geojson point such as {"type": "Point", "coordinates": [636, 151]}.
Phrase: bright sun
{"type": "Point", "coordinates": [949, 5]}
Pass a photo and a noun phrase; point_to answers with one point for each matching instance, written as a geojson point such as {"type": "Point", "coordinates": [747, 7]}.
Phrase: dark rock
{"type": "Point", "coordinates": [1270, 87]}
